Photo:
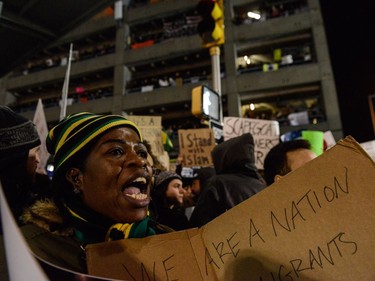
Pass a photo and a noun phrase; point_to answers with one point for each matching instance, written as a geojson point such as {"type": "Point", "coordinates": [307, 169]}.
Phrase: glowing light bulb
{"type": "Point", "coordinates": [253, 15]}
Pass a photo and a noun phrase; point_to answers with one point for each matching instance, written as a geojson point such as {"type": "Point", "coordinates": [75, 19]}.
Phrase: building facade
{"type": "Point", "coordinates": [147, 58]}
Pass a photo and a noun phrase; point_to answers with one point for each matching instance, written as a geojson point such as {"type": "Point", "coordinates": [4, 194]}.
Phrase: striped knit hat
{"type": "Point", "coordinates": [77, 131]}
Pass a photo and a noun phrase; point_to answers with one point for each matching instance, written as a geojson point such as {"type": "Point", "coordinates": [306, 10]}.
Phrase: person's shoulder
{"type": "Point", "coordinates": [61, 251]}
{"type": "Point", "coordinates": [45, 215]}
{"type": "Point", "coordinates": [35, 234]}
{"type": "Point", "coordinates": [31, 231]}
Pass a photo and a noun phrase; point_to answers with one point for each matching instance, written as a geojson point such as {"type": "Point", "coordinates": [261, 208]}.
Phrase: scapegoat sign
{"type": "Point", "coordinates": [266, 134]}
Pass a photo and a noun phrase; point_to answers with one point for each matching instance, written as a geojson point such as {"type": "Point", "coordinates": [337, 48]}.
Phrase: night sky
{"type": "Point", "coordinates": [350, 33]}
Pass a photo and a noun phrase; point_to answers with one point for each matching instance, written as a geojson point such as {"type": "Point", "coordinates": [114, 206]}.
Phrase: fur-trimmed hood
{"type": "Point", "coordinates": [46, 215]}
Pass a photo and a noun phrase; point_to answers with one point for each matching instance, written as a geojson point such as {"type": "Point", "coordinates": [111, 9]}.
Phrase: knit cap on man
{"type": "Point", "coordinates": [17, 136]}
{"type": "Point", "coordinates": [75, 132]}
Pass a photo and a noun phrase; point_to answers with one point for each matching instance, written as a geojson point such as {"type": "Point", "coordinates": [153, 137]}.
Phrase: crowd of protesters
{"type": "Point", "coordinates": [133, 195]}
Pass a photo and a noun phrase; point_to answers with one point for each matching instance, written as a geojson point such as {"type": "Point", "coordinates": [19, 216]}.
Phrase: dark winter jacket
{"type": "Point", "coordinates": [52, 240]}
{"type": "Point", "coordinates": [174, 218]}
{"type": "Point", "coordinates": [236, 179]}
{"type": "Point", "coordinates": [49, 239]}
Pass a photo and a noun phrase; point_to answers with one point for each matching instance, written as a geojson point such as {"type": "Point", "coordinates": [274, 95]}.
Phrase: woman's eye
{"type": "Point", "coordinates": [142, 153]}
{"type": "Point", "coordinates": [117, 151]}
{"type": "Point", "coordinates": [141, 150]}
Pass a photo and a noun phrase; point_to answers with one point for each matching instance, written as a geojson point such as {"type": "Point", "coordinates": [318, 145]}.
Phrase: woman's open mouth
{"type": "Point", "coordinates": [136, 190]}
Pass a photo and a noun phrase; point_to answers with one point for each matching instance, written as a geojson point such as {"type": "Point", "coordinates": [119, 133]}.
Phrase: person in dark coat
{"type": "Point", "coordinates": [167, 201]}
{"type": "Point", "coordinates": [19, 157]}
{"type": "Point", "coordinates": [236, 179]}
{"type": "Point", "coordinates": [199, 183]}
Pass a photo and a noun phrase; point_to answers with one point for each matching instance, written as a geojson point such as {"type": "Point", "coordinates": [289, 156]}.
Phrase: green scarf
{"type": "Point", "coordinates": [134, 230]}
{"type": "Point", "coordinates": [94, 228]}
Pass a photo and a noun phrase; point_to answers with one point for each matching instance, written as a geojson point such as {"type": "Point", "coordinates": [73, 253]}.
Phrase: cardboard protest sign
{"type": "Point", "coordinates": [266, 134]}
{"type": "Point", "coordinates": [196, 146]}
{"type": "Point", "coordinates": [316, 223]}
{"type": "Point", "coordinates": [160, 257]}
{"type": "Point", "coordinates": [150, 127]}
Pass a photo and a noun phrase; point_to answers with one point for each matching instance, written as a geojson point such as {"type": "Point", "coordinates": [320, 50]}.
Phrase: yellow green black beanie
{"type": "Point", "coordinates": [76, 131]}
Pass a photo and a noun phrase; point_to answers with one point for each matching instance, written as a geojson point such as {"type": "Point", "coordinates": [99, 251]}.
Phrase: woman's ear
{"type": "Point", "coordinates": [277, 178]}
{"type": "Point", "coordinates": [74, 176]}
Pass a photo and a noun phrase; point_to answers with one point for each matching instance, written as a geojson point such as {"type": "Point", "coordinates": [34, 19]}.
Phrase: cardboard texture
{"type": "Point", "coordinates": [195, 146]}
{"type": "Point", "coordinates": [162, 257]}
{"type": "Point", "coordinates": [316, 223]}
{"type": "Point", "coordinates": [150, 127]}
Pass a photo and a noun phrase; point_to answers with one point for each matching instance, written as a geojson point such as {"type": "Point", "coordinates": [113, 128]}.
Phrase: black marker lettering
{"type": "Point", "coordinates": [274, 218]}
{"type": "Point", "coordinates": [329, 194]}
{"type": "Point", "coordinates": [296, 213]}
{"type": "Point", "coordinates": [169, 268]}
{"type": "Point", "coordinates": [348, 242]}
{"type": "Point", "coordinates": [231, 247]}
{"type": "Point", "coordinates": [317, 199]}
{"type": "Point", "coordinates": [296, 265]}
{"type": "Point", "coordinates": [256, 233]}
{"type": "Point", "coordinates": [209, 260]}
{"type": "Point", "coordinates": [220, 250]}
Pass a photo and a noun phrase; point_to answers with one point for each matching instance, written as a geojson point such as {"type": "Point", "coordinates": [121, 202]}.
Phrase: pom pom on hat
{"type": "Point", "coordinates": [17, 135]}
{"type": "Point", "coordinates": [165, 177]}
{"type": "Point", "coordinates": [77, 131]}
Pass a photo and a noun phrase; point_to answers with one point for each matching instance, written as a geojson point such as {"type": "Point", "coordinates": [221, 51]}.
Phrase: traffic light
{"type": "Point", "coordinates": [205, 103]}
{"type": "Point", "coordinates": [211, 27]}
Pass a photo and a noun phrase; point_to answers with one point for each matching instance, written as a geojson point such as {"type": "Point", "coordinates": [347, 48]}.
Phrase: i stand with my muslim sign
{"type": "Point", "coordinates": [266, 134]}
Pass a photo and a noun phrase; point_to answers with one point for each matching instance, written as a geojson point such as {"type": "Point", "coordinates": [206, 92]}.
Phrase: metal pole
{"type": "Point", "coordinates": [216, 75]}
{"type": "Point", "coordinates": [215, 61]}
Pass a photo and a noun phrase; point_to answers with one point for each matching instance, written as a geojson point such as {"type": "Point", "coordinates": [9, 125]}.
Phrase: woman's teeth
{"type": "Point", "coordinates": [140, 180]}
{"type": "Point", "coordinates": [139, 196]}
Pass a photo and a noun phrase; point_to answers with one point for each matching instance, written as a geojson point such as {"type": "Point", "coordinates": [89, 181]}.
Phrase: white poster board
{"type": "Point", "coordinates": [369, 146]}
{"type": "Point", "coordinates": [42, 128]}
{"type": "Point", "coordinates": [22, 266]}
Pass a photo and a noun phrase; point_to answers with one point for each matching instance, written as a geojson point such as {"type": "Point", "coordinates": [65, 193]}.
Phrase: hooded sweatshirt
{"type": "Point", "coordinates": [236, 179]}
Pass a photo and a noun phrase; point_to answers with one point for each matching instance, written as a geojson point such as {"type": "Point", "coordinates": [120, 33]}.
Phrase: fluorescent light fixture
{"type": "Point", "coordinates": [253, 15]}
{"type": "Point", "coordinates": [118, 10]}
